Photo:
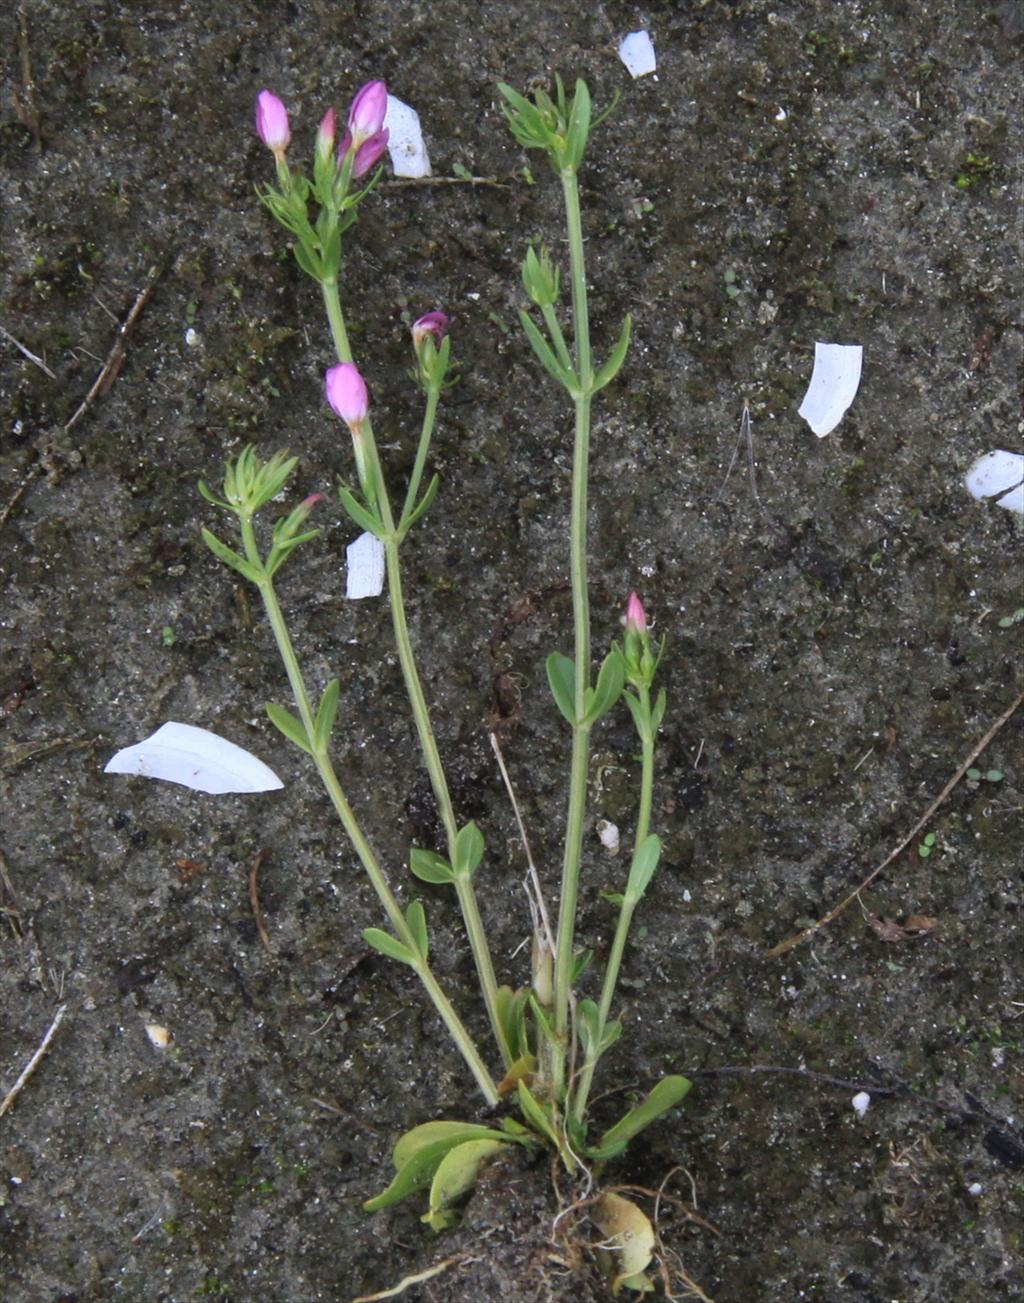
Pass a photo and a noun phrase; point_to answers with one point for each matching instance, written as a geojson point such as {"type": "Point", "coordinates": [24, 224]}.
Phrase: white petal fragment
{"type": "Point", "coordinates": [637, 52]}
{"type": "Point", "coordinates": [834, 383]}
{"type": "Point", "coordinates": [861, 1102]}
{"type": "Point", "coordinates": [195, 758]}
{"type": "Point", "coordinates": [405, 140]}
{"type": "Point", "coordinates": [608, 832]}
{"type": "Point", "coordinates": [365, 559]}
{"type": "Point", "coordinates": [998, 472]}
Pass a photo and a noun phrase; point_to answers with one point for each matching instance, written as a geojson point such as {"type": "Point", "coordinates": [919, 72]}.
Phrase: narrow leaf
{"type": "Point", "coordinates": [293, 729]}
{"type": "Point", "coordinates": [665, 1095]}
{"type": "Point", "coordinates": [325, 716]}
{"type": "Point", "coordinates": [388, 945]}
{"type": "Point", "coordinates": [230, 558]}
{"type": "Point", "coordinates": [416, 917]}
{"type": "Point", "coordinates": [468, 850]}
{"type": "Point", "coordinates": [423, 506]}
{"type": "Point", "coordinates": [645, 861]}
{"type": "Point", "coordinates": [658, 713]}
{"type": "Point", "coordinates": [610, 680]}
{"type": "Point", "coordinates": [562, 680]}
{"type": "Point", "coordinates": [545, 354]}
{"type": "Point", "coordinates": [431, 1133]}
{"type": "Point", "coordinates": [364, 518]}
{"type": "Point", "coordinates": [430, 867]}
{"type": "Point", "coordinates": [534, 1114]}
{"type": "Point", "coordinates": [614, 363]}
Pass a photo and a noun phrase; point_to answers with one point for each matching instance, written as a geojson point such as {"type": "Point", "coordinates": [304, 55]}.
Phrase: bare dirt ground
{"type": "Point", "coordinates": [796, 171]}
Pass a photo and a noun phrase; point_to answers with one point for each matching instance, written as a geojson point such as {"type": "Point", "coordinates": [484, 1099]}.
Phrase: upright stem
{"type": "Point", "coordinates": [414, 688]}
{"type": "Point", "coordinates": [351, 825]}
{"type": "Point", "coordinates": [573, 848]}
{"type": "Point", "coordinates": [611, 972]}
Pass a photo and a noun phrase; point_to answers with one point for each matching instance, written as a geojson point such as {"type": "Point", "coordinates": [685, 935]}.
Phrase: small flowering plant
{"type": "Point", "coordinates": [547, 1041]}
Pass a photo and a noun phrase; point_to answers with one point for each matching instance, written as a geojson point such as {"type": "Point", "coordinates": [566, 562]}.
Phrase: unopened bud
{"type": "Point", "coordinates": [433, 325]}
{"type": "Point", "coordinates": [636, 616]}
{"type": "Point", "coordinates": [325, 135]}
{"type": "Point", "coordinates": [272, 122]}
{"type": "Point", "coordinates": [346, 393]}
{"type": "Point", "coordinates": [366, 113]}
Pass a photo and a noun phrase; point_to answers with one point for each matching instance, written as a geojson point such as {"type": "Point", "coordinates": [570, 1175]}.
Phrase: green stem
{"type": "Point", "coordinates": [573, 849]}
{"type": "Point", "coordinates": [426, 432]}
{"type": "Point", "coordinates": [611, 972]}
{"type": "Point", "coordinates": [414, 688]}
{"type": "Point", "coordinates": [351, 825]}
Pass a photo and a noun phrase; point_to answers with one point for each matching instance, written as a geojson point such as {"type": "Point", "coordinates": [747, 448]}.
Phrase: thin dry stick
{"type": "Point", "coordinates": [33, 1062]}
{"type": "Point", "coordinates": [420, 1277]}
{"type": "Point", "coordinates": [254, 899]}
{"type": "Point", "coordinates": [922, 823]}
{"type": "Point", "coordinates": [534, 877]}
{"type": "Point", "coordinates": [26, 352]}
{"type": "Point", "coordinates": [25, 99]}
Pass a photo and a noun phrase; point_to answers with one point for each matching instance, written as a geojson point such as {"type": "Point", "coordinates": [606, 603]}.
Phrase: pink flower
{"type": "Point", "coordinates": [325, 134]}
{"type": "Point", "coordinates": [366, 114]}
{"type": "Point", "coordinates": [346, 393]}
{"type": "Point", "coordinates": [272, 122]}
{"type": "Point", "coordinates": [434, 324]}
{"type": "Point", "coordinates": [365, 133]}
{"type": "Point", "coordinates": [369, 152]}
{"type": "Point", "coordinates": [636, 616]}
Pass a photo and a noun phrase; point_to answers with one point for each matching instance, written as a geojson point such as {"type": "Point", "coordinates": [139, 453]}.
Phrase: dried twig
{"type": "Point", "coordinates": [254, 899]}
{"type": "Point", "coordinates": [407, 1282]}
{"type": "Point", "coordinates": [26, 352]}
{"type": "Point", "coordinates": [33, 1062]}
{"type": "Point", "coordinates": [922, 823]}
{"type": "Point", "coordinates": [415, 182]}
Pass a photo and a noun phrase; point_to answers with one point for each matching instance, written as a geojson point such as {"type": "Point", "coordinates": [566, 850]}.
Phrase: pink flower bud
{"type": "Point", "coordinates": [636, 616]}
{"type": "Point", "coordinates": [307, 504]}
{"type": "Point", "coordinates": [272, 122]}
{"type": "Point", "coordinates": [368, 153]}
{"type": "Point", "coordinates": [366, 114]}
{"type": "Point", "coordinates": [346, 393]}
{"type": "Point", "coordinates": [431, 323]}
{"type": "Point", "coordinates": [325, 134]}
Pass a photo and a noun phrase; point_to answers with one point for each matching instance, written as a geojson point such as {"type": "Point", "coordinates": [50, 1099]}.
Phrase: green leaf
{"type": "Point", "coordinates": [546, 355]}
{"type": "Point", "coordinates": [223, 553]}
{"type": "Point", "coordinates": [588, 1021]}
{"type": "Point", "coordinates": [293, 729]}
{"type": "Point", "coordinates": [614, 363]}
{"type": "Point", "coordinates": [325, 715]}
{"type": "Point", "coordinates": [363, 517]}
{"type": "Point", "coordinates": [510, 1011]}
{"type": "Point", "coordinates": [308, 260]}
{"type": "Point", "coordinates": [416, 917]}
{"type": "Point", "coordinates": [610, 680]}
{"type": "Point", "coordinates": [430, 867]}
{"type": "Point", "coordinates": [388, 945]}
{"type": "Point", "coordinates": [665, 1095]}
{"type": "Point", "coordinates": [579, 126]}
{"type": "Point", "coordinates": [562, 680]}
{"type": "Point", "coordinates": [423, 506]}
{"type": "Point", "coordinates": [468, 851]}
{"type": "Point", "coordinates": [641, 871]}
{"type": "Point", "coordinates": [581, 961]}
{"type": "Point", "coordinates": [412, 1175]}
{"type": "Point", "coordinates": [212, 497]}
{"type": "Point", "coordinates": [535, 1115]}
{"type": "Point", "coordinates": [658, 713]}
{"type": "Point", "coordinates": [455, 1175]}
{"type": "Point", "coordinates": [280, 553]}
{"type": "Point", "coordinates": [431, 1133]}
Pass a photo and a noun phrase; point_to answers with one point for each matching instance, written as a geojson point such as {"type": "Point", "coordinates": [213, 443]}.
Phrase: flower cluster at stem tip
{"type": "Point", "coordinates": [365, 138]}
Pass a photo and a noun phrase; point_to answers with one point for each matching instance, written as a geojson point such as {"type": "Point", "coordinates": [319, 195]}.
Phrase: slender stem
{"type": "Point", "coordinates": [611, 972]}
{"type": "Point", "coordinates": [555, 332]}
{"type": "Point", "coordinates": [573, 848]}
{"type": "Point", "coordinates": [351, 825]}
{"type": "Point", "coordinates": [414, 688]}
{"type": "Point", "coordinates": [426, 431]}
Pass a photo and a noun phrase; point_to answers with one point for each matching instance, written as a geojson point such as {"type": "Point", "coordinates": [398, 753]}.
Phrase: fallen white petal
{"type": "Point", "coordinates": [834, 383]}
{"type": "Point", "coordinates": [861, 1102]}
{"type": "Point", "coordinates": [637, 52]}
{"type": "Point", "coordinates": [365, 559]}
{"type": "Point", "coordinates": [159, 1036]}
{"type": "Point", "coordinates": [995, 473]}
{"type": "Point", "coordinates": [405, 140]}
{"type": "Point", "coordinates": [195, 758]}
